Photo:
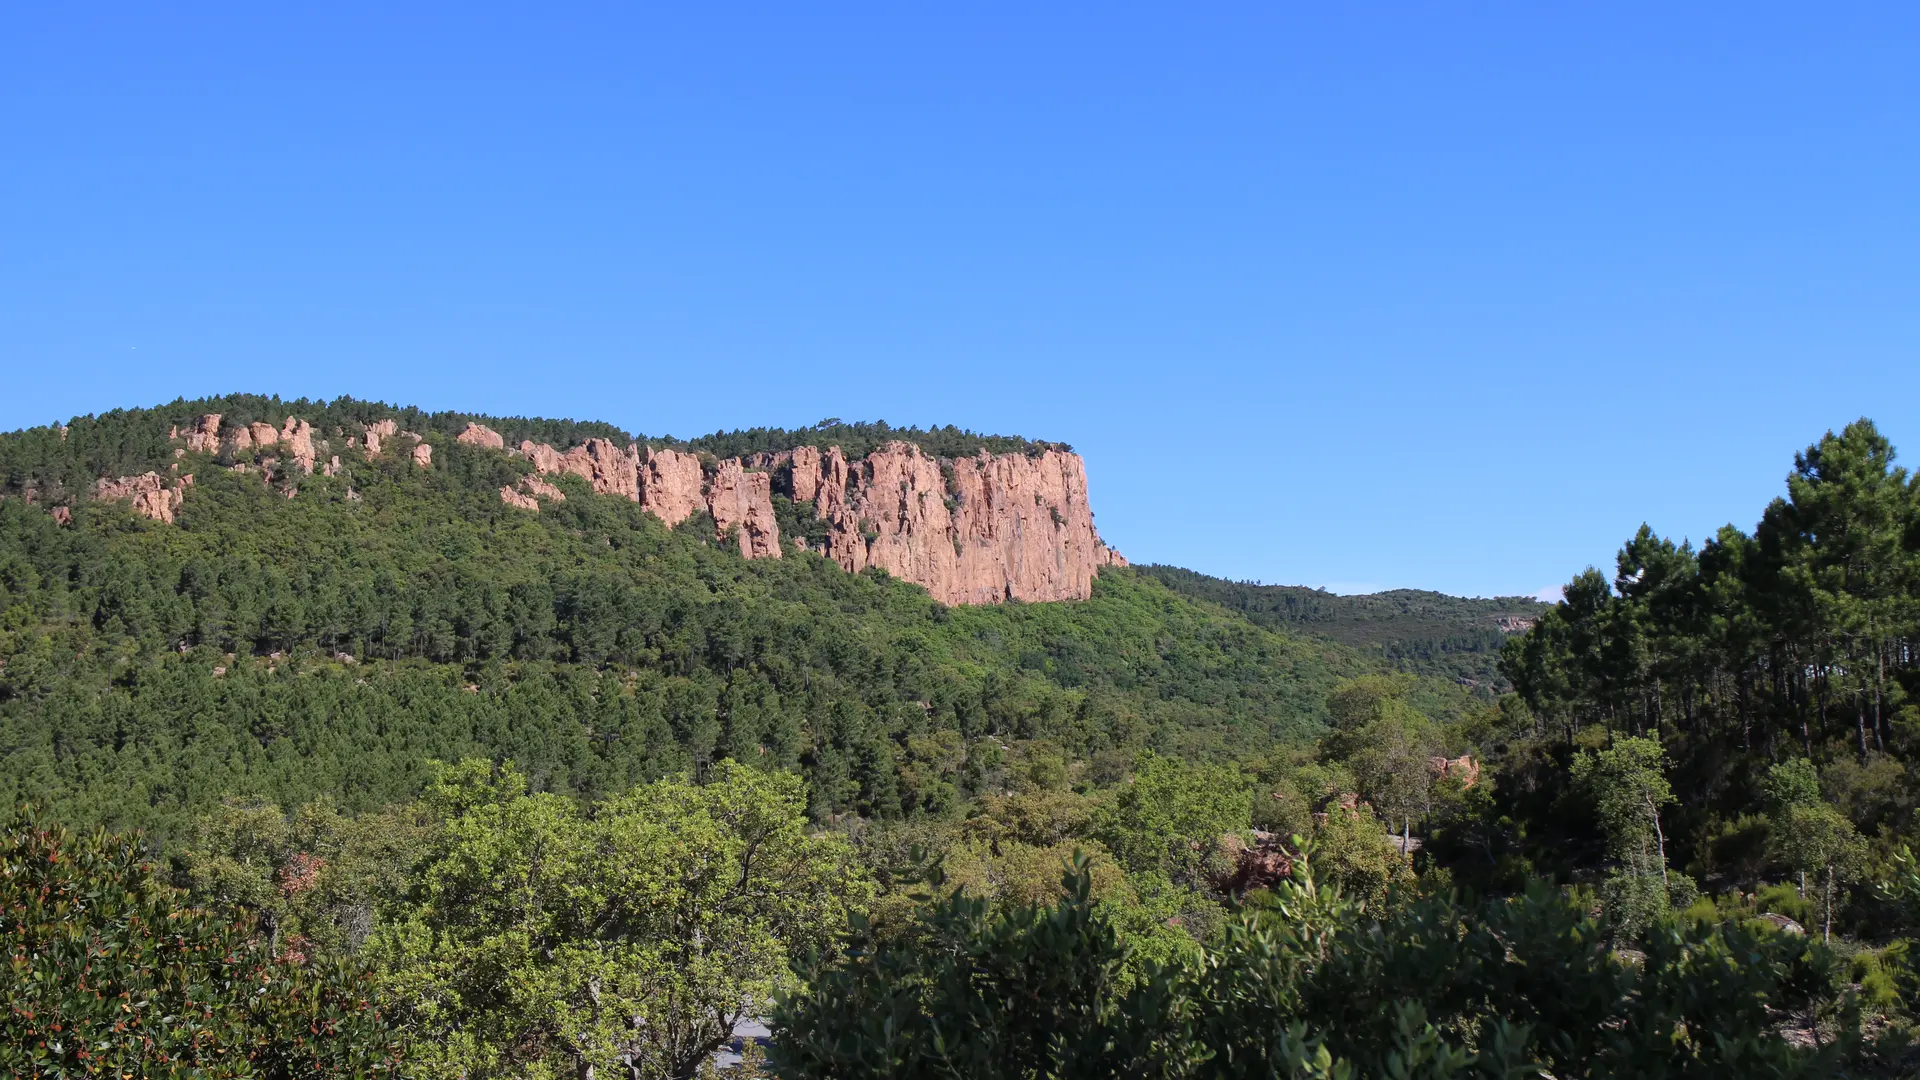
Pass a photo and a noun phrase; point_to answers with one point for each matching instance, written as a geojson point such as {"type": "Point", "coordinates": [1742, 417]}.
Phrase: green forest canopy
{"type": "Point", "coordinates": [1699, 747]}
{"type": "Point", "coordinates": [1430, 633]}
{"type": "Point", "coordinates": [335, 643]}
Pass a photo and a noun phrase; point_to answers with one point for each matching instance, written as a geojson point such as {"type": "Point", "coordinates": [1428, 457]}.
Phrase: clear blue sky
{"type": "Point", "coordinates": [1439, 295]}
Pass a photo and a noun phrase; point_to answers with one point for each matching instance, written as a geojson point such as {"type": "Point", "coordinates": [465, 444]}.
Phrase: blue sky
{"type": "Point", "coordinates": [1436, 295]}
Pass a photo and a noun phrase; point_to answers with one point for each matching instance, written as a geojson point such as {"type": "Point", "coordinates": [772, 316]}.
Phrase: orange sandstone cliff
{"type": "Point", "coordinates": [975, 530]}
{"type": "Point", "coordinates": [972, 530]}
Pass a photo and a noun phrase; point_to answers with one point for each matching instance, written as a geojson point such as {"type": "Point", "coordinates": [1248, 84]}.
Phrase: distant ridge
{"type": "Point", "coordinates": [973, 519]}
{"type": "Point", "coordinates": [1423, 632]}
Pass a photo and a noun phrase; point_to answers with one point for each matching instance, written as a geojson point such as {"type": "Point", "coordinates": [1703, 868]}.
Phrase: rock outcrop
{"type": "Point", "coordinates": [204, 436]}
{"type": "Point", "coordinates": [1463, 768]}
{"type": "Point", "coordinates": [529, 491]}
{"type": "Point", "coordinates": [671, 486]}
{"type": "Point", "coordinates": [976, 530]}
{"type": "Point", "coordinates": [298, 437]}
{"type": "Point", "coordinates": [150, 493]}
{"type": "Point", "coordinates": [1260, 865]}
{"type": "Point", "coordinates": [376, 433]}
{"type": "Point", "coordinates": [481, 435]}
{"type": "Point", "coordinates": [973, 530]}
{"type": "Point", "coordinates": [608, 468]}
{"type": "Point", "coordinates": [741, 502]}
{"type": "Point", "coordinates": [541, 489]}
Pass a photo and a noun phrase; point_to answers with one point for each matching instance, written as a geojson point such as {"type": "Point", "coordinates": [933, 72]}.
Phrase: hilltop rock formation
{"type": "Point", "coordinates": [743, 501]}
{"type": "Point", "coordinates": [378, 431]}
{"type": "Point", "coordinates": [481, 435]}
{"type": "Point", "coordinates": [606, 467]}
{"type": "Point", "coordinates": [203, 437]}
{"type": "Point", "coordinates": [974, 530]}
{"type": "Point", "coordinates": [672, 485]}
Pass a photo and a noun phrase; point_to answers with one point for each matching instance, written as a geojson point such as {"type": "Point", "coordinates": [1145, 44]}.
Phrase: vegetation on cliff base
{"type": "Point", "coordinates": [1705, 755]}
{"type": "Point", "coordinates": [334, 642]}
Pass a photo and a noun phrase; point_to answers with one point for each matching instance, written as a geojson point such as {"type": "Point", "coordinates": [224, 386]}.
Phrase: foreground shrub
{"type": "Point", "coordinates": [1309, 984]}
{"type": "Point", "coordinates": [107, 972]}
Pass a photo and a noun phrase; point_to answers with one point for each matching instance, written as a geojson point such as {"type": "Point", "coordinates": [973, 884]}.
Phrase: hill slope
{"type": "Point", "coordinates": [1426, 633]}
{"type": "Point", "coordinates": [333, 643]}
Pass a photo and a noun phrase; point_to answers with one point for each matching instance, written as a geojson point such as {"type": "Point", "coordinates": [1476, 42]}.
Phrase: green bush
{"type": "Point", "coordinates": [1310, 984]}
{"type": "Point", "coordinates": [108, 973]}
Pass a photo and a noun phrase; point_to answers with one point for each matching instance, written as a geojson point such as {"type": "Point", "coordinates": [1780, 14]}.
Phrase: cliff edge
{"type": "Point", "coordinates": [979, 529]}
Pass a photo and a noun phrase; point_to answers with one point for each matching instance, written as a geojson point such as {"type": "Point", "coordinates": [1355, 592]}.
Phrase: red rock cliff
{"type": "Point", "coordinates": [977, 530]}
{"type": "Point", "coordinates": [1005, 527]}
{"type": "Point", "coordinates": [743, 501]}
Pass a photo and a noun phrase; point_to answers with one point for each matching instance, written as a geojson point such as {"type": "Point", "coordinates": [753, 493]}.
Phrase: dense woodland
{"type": "Point", "coordinates": [1416, 631]}
{"type": "Point", "coordinates": [475, 792]}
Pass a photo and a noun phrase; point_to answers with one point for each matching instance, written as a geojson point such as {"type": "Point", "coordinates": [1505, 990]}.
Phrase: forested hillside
{"type": "Point", "coordinates": [439, 785]}
{"type": "Point", "coordinates": [335, 642]}
{"type": "Point", "coordinates": [1428, 633]}
{"type": "Point", "coordinates": [1779, 668]}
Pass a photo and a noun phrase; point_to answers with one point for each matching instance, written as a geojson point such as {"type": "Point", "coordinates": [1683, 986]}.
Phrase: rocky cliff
{"type": "Point", "coordinates": [974, 530]}
{"type": "Point", "coordinates": [971, 530]}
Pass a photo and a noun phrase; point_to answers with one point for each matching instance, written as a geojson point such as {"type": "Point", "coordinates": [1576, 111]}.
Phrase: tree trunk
{"type": "Point", "coordinates": [1826, 930]}
{"type": "Point", "coordinates": [1660, 836]}
{"type": "Point", "coordinates": [1860, 719]}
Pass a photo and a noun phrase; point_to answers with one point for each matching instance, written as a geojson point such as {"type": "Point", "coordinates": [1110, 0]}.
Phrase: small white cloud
{"type": "Point", "coordinates": [1552, 594]}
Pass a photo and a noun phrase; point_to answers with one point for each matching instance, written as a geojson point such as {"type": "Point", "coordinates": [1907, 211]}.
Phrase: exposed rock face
{"type": "Point", "coordinates": [298, 435]}
{"type": "Point", "coordinates": [545, 458]}
{"type": "Point", "coordinates": [529, 491]}
{"type": "Point", "coordinates": [807, 473]}
{"type": "Point", "coordinates": [743, 501]}
{"type": "Point", "coordinates": [1463, 768]}
{"type": "Point", "coordinates": [377, 431]}
{"type": "Point", "coordinates": [976, 530]}
{"type": "Point", "coordinates": [610, 468]}
{"type": "Point", "coordinates": [605, 466]}
{"type": "Point", "coordinates": [204, 438]}
{"type": "Point", "coordinates": [542, 489]}
{"type": "Point", "coordinates": [481, 435]}
{"type": "Point", "coordinates": [1006, 527]}
{"type": "Point", "coordinates": [670, 486]}
{"type": "Point", "coordinates": [151, 496]}
{"type": "Point", "coordinates": [62, 516]}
